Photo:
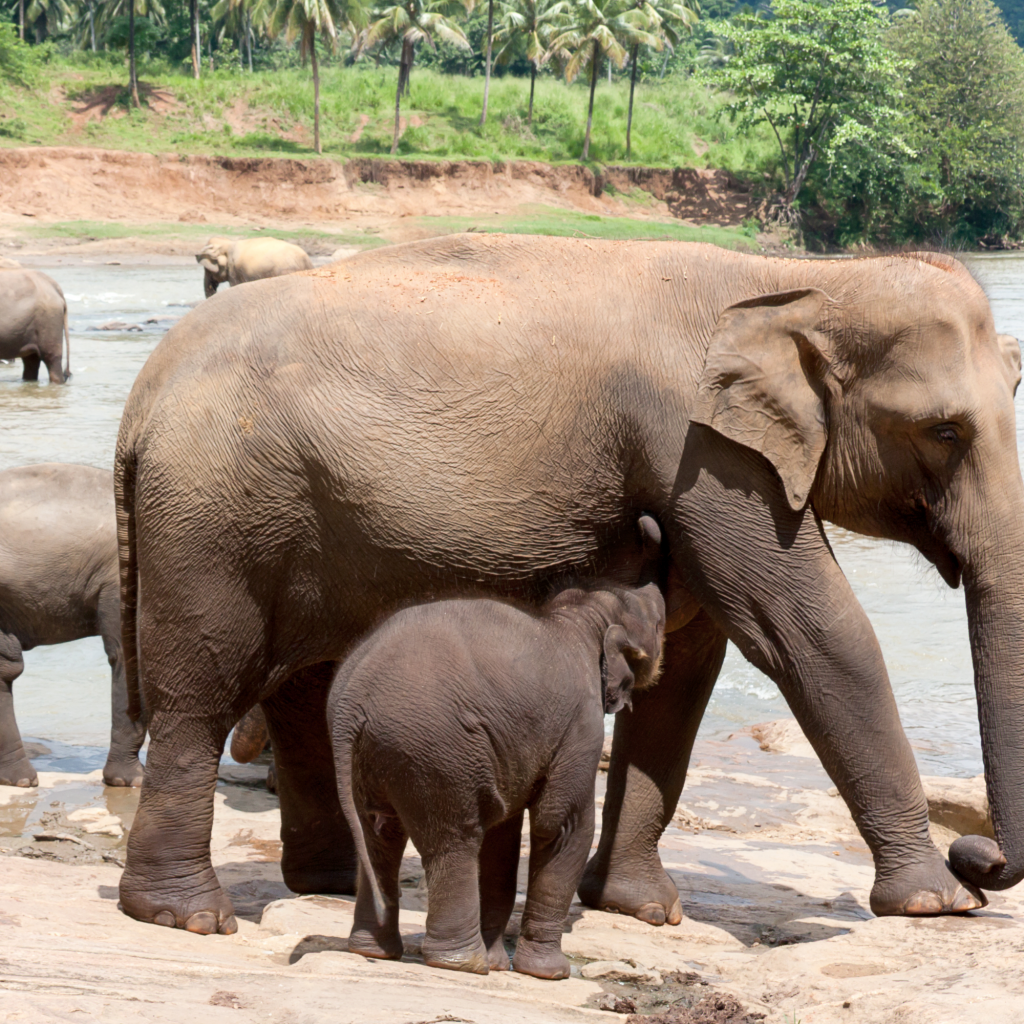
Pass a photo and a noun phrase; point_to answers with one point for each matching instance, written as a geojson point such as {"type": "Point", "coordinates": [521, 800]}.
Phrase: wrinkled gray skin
{"type": "Point", "coordinates": [34, 323]}
{"type": "Point", "coordinates": [486, 416]}
{"type": "Point", "coordinates": [59, 582]}
{"type": "Point", "coordinates": [251, 259]}
{"type": "Point", "coordinates": [447, 724]}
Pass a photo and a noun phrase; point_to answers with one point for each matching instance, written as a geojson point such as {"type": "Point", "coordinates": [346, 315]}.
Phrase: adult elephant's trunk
{"type": "Point", "coordinates": [994, 582]}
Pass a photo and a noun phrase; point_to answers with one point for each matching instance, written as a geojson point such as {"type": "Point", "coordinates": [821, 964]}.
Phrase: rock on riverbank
{"type": "Point", "coordinates": [772, 875]}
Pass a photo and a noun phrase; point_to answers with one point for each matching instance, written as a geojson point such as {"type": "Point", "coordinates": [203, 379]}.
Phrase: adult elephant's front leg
{"type": "Point", "coordinates": [318, 852]}
{"type": "Point", "coordinates": [650, 755]}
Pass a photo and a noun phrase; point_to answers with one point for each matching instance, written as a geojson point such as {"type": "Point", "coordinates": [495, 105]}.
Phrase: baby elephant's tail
{"type": "Point", "coordinates": [343, 740]}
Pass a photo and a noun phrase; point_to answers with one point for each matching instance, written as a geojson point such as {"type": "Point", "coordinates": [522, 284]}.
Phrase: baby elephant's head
{"type": "Point", "coordinates": [632, 647]}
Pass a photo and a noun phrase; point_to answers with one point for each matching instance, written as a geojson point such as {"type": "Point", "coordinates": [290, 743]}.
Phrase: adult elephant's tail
{"type": "Point", "coordinates": [67, 345]}
{"type": "Point", "coordinates": [125, 465]}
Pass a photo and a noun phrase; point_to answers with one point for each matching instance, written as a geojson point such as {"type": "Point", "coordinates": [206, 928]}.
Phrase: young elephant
{"type": "Point", "coordinates": [34, 323]}
{"type": "Point", "coordinates": [452, 719]}
{"type": "Point", "coordinates": [59, 582]}
{"type": "Point", "coordinates": [249, 259]}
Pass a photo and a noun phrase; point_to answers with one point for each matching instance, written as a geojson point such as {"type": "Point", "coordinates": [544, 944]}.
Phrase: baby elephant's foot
{"type": "Point", "coordinates": [125, 772]}
{"type": "Point", "coordinates": [497, 958]}
{"type": "Point", "coordinates": [379, 944]}
{"type": "Point", "coordinates": [18, 772]}
{"type": "Point", "coordinates": [541, 959]}
{"type": "Point", "coordinates": [471, 959]}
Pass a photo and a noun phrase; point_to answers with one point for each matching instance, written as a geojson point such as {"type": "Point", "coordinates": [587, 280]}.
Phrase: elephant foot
{"type": "Point", "coordinates": [472, 959]}
{"type": "Point", "coordinates": [647, 894]}
{"type": "Point", "coordinates": [205, 910]}
{"type": "Point", "coordinates": [923, 889]}
{"type": "Point", "coordinates": [497, 958]}
{"type": "Point", "coordinates": [18, 772]}
{"type": "Point", "coordinates": [125, 772]}
{"type": "Point", "coordinates": [541, 960]}
{"type": "Point", "coordinates": [378, 944]}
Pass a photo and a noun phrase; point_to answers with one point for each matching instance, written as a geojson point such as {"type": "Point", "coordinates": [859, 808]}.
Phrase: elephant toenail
{"type": "Point", "coordinates": [922, 904]}
{"type": "Point", "coordinates": [202, 923]}
{"type": "Point", "coordinates": [165, 919]}
{"type": "Point", "coordinates": [652, 913]}
{"type": "Point", "coordinates": [965, 900]}
{"type": "Point", "coordinates": [229, 927]}
{"type": "Point", "coordinates": [675, 915]}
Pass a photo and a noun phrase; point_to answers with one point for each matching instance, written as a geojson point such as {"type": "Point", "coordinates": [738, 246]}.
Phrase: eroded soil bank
{"type": "Point", "coordinates": [67, 184]}
{"type": "Point", "coordinates": [773, 878]}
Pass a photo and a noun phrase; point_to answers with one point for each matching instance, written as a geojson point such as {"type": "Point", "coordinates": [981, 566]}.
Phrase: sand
{"type": "Point", "coordinates": [773, 877]}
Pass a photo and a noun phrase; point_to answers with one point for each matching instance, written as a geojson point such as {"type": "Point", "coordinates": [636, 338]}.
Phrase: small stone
{"type": "Point", "coordinates": [616, 1004]}
{"type": "Point", "coordinates": [619, 970]}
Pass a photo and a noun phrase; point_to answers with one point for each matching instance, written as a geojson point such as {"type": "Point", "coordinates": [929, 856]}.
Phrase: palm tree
{"type": "Point", "coordinates": [487, 70]}
{"type": "Point", "coordinates": [413, 21]}
{"type": "Point", "coordinates": [236, 17]}
{"type": "Point", "coordinates": [667, 21]}
{"type": "Point", "coordinates": [531, 22]}
{"type": "Point", "coordinates": [147, 8]}
{"type": "Point", "coordinates": [593, 31]}
{"type": "Point", "coordinates": [47, 17]}
{"type": "Point", "coordinates": [306, 19]}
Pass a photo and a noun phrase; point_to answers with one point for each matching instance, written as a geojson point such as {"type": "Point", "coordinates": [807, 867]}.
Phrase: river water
{"type": "Point", "coordinates": [63, 697]}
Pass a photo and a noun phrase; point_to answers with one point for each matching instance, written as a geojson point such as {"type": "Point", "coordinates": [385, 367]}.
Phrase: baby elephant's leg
{"type": "Point", "coordinates": [15, 767]}
{"type": "Point", "coordinates": [385, 843]}
{"type": "Point", "coordinates": [453, 939]}
{"type": "Point", "coordinates": [560, 836]}
{"type": "Point", "coordinates": [499, 865]}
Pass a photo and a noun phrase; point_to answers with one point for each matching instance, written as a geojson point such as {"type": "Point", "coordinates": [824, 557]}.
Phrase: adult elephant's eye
{"type": "Point", "coordinates": [947, 433]}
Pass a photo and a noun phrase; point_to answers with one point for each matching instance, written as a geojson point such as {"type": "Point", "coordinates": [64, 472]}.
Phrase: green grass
{"type": "Point", "coordinates": [677, 122]}
{"type": "Point", "coordinates": [546, 220]}
{"type": "Point", "coordinates": [91, 231]}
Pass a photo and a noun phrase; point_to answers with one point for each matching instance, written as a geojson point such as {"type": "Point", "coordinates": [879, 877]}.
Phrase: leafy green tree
{"type": "Point", "coordinates": [526, 26]}
{"type": "Point", "coordinates": [965, 95]}
{"type": "Point", "coordinates": [305, 20]}
{"type": "Point", "coordinates": [667, 21]}
{"type": "Point", "coordinates": [122, 33]}
{"type": "Point", "coordinates": [594, 29]}
{"type": "Point", "coordinates": [413, 22]}
{"type": "Point", "coordinates": [818, 72]}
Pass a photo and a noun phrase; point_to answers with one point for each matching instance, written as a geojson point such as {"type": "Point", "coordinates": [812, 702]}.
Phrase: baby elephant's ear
{"type": "Point", "coordinates": [617, 676]}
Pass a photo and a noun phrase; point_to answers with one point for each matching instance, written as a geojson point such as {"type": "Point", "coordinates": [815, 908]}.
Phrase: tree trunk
{"type": "Point", "coordinates": [590, 110]}
{"type": "Point", "coordinates": [533, 80]}
{"type": "Point", "coordinates": [133, 83]}
{"type": "Point", "coordinates": [209, 48]}
{"type": "Point", "coordinates": [193, 21]}
{"type": "Point", "coordinates": [92, 27]}
{"type": "Point", "coordinates": [404, 67]}
{"type": "Point", "coordinates": [248, 37]}
{"type": "Point", "coordinates": [21, 20]}
{"type": "Point", "coordinates": [316, 95]}
{"type": "Point", "coordinates": [487, 70]}
{"type": "Point", "coordinates": [632, 88]}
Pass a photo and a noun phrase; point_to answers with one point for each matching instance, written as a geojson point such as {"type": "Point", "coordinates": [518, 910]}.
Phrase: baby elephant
{"type": "Point", "coordinates": [249, 259]}
{"type": "Point", "coordinates": [452, 719]}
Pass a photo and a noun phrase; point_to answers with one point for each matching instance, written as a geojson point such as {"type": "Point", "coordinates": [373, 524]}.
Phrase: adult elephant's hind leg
{"type": "Point", "coordinates": [169, 878]}
{"type": "Point", "coordinates": [318, 853]}
{"type": "Point", "coordinates": [650, 755]}
{"type": "Point", "coordinates": [15, 767]}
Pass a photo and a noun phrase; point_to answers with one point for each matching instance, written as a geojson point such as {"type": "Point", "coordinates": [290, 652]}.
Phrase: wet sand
{"type": "Point", "coordinates": [773, 878]}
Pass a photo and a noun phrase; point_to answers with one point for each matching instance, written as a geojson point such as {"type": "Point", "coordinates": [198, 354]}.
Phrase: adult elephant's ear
{"type": "Point", "coordinates": [763, 383]}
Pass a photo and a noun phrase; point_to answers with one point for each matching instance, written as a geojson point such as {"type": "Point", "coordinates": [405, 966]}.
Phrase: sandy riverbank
{"type": "Point", "coordinates": [773, 878]}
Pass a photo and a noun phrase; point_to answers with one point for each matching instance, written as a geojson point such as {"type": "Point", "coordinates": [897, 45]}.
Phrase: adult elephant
{"type": "Point", "coordinates": [34, 323]}
{"type": "Point", "coordinates": [250, 259]}
{"type": "Point", "coordinates": [59, 582]}
{"type": "Point", "coordinates": [490, 415]}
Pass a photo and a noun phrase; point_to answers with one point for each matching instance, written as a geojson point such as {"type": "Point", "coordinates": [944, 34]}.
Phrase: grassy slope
{"type": "Point", "coordinates": [676, 122]}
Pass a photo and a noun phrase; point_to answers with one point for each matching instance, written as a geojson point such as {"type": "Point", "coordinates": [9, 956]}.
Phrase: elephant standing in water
{"type": "Point", "coordinates": [59, 582]}
{"type": "Point", "coordinates": [488, 416]}
{"type": "Point", "coordinates": [249, 259]}
{"type": "Point", "coordinates": [34, 323]}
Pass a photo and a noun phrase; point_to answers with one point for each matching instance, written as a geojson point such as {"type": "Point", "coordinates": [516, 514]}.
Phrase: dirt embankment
{"type": "Point", "coordinates": [67, 184]}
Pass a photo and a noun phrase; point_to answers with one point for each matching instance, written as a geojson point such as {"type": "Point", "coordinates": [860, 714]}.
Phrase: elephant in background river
{"type": "Point", "coordinates": [499, 438]}
{"type": "Point", "coordinates": [59, 582]}
{"type": "Point", "coordinates": [250, 259]}
{"type": "Point", "coordinates": [34, 323]}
